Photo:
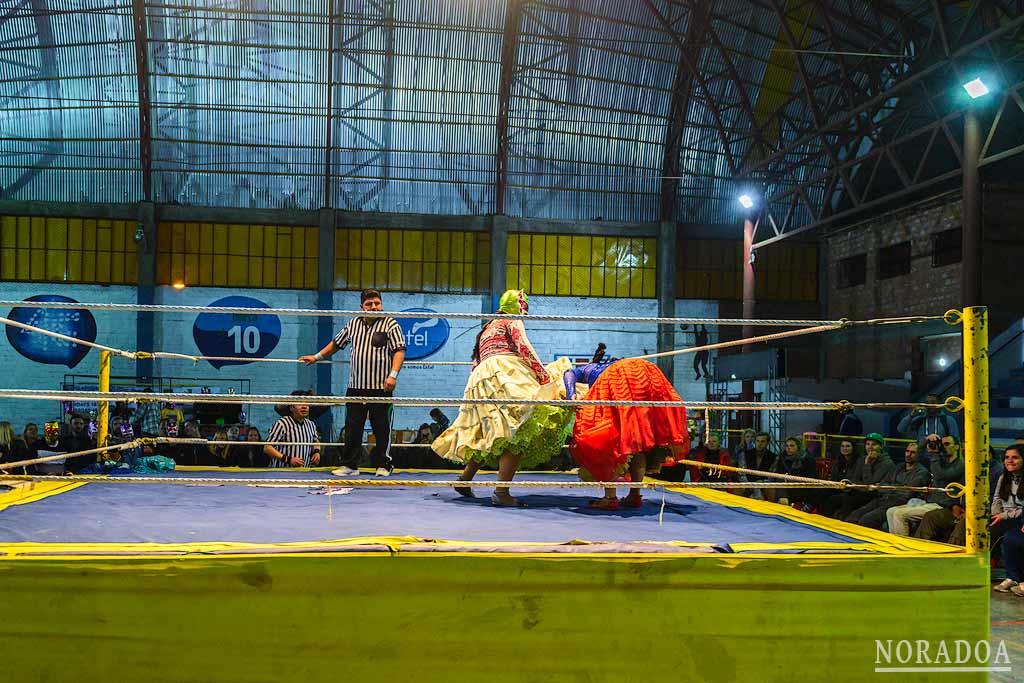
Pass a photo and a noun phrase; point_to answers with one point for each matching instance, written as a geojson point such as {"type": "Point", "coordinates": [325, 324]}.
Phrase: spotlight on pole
{"type": "Point", "coordinates": [746, 201]}
{"type": "Point", "coordinates": [976, 88]}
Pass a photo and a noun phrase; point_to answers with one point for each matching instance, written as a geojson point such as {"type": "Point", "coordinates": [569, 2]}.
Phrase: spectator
{"type": "Point", "coordinates": [945, 470]}
{"type": "Point", "coordinates": [27, 446]}
{"type": "Point", "coordinates": [872, 468]}
{"type": "Point", "coordinates": [932, 450]}
{"type": "Point", "coordinates": [840, 467]}
{"type": "Point", "coordinates": [294, 426]}
{"type": "Point", "coordinates": [1006, 519]}
{"type": "Point", "coordinates": [745, 444]}
{"type": "Point", "coordinates": [913, 473]}
{"type": "Point", "coordinates": [251, 455]}
{"type": "Point", "coordinates": [223, 454]}
{"type": "Point", "coordinates": [845, 461]}
{"type": "Point", "coordinates": [440, 423]}
{"type": "Point", "coordinates": [171, 411]}
{"type": "Point", "coordinates": [850, 424]}
{"type": "Point", "coordinates": [51, 445]}
{"type": "Point", "coordinates": [425, 434]}
{"type": "Point", "coordinates": [378, 351]}
{"type": "Point", "coordinates": [921, 422]}
{"type": "Point", "coordinates": [121, 431]}
{"type": "Point", "coordinates": [77, 439]}
{"type": "Point", "coordinates": [761, 459]}
{"type": "Point", "coordinates": [797, 462]}
{"type": "Point", "coordinates": [7, 442]}
{"type": "Point", "coordinates": [147, 417]}
{"type": "Point", "coordinates": [713, 453]}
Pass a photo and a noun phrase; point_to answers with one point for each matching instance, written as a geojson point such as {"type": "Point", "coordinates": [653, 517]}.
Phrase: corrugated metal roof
{"type": "Point", "coordinates": [242, 94]}
{"type": "Point", "coordinates": [69, 122]}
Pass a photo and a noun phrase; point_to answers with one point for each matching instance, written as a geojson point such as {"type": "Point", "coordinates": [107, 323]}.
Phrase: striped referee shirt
{"type": "Point", "coordinates": [374, 344]}
{"type": "Point", "coordinates": [287, 429]}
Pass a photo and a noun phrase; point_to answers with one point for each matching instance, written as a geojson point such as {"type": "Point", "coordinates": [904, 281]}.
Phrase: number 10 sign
{"type": "Point", "coordinates": [238, 336]}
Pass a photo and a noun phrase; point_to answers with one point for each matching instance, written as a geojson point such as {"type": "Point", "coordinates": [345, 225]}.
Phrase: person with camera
{"type": "Point", "coordinates": [922, 422]}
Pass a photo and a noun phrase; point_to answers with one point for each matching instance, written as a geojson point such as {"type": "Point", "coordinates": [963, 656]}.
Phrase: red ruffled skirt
{"type": "Point", "coordinates": [606, 437]}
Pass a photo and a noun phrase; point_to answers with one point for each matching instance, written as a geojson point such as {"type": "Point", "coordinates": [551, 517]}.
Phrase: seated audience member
{"type": "Point", "coordinates": [745, 444]}
{"type": "Point", "coordinates": [170, 411]}
{"type": "Point", "coordinates": [761, 459]}
{"type": "Point", "coordinates": [51, 445]}
{"type": "Point", "coordinates": [797, 462]}
{"type": "Point", "coordinates": [840, 467]}
{"type": "Point", "coordinates": [871, 468]}
{"type": "Point", "coordinates": [223, 455]}
{"type": "Point", "coordinates": [26, 446]}
{"type": "Point", "coordinates": [713, 453]}
{"type": "Point", "coordinates": [76, 439]}
{"type": "Point", "coordinates": [911, 473]}
{"type": "Point", "coordinates": [1006, 519]}
{"type": "Point", "coordinates": [251, 455]}
{"type": "Point", "coordinates": [7, 442]}
{"type": "Point", "coordinates": [425, 434]}
{"type": "Point", "coordinates": [945, 470]}
{"type": "Point", "coordinates": [121, 431]}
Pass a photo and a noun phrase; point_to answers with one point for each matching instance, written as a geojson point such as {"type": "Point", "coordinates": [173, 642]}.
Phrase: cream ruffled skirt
{"type": "Point", "coordinates": [483, 432]}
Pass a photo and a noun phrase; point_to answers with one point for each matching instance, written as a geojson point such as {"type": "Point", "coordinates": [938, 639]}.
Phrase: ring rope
{"type": "Point", "coordinates": [844, 484]}
{"type": "Point", "coordinates": [279, 399]}
{"type": "Point", "coordinates": [750, 340]}
{"type": "Point", "coordinates": [146, 355]}
{"type": "Point", "coordinates": [335, 313]}
{"type": "Point", "coordinates": [438, 483]}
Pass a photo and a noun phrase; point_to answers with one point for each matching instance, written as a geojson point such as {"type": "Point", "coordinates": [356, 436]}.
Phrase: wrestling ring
{"type": "Point", "coordinates": [271, 575]}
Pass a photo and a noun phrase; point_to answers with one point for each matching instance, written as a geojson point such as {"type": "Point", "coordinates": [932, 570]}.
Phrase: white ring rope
{"type": "Point", "coordinates": [335, 313]}
{"type": "Point", "coordinates": [749, 340]}
{"type": "Point", "coordinates": [784, 480]}
{"type": "Point", "coordinates": [280, 399]}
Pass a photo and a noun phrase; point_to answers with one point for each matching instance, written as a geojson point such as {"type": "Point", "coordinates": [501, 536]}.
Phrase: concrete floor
{"type": "Point", "coordinates": [1007, 614]}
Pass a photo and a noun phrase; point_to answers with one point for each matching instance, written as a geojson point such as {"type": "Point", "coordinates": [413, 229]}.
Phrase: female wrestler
{"type": "Point", "coordinates": [609, 441]}
{"type": "Point", "coordinates": [510, 436]}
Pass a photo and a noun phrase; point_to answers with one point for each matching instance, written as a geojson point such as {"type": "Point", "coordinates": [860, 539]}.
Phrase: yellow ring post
{"type": "Point", "coordinates": [103, 410]}
{"type": "Point", "coordinates": [975, 363]}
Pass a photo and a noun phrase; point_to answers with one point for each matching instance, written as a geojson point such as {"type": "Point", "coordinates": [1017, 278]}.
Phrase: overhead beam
{"type": "Point", "coordinates": [145, 100]}
{"type": "Point", "coordinates": [509, 52]}
{"type": "Point", "coordinates": [682, 90]}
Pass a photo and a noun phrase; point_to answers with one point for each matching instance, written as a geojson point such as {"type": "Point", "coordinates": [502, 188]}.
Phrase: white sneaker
{"type": "Point", "coordinates": [383, 472]}
{"type": "Point", "coordinates": [1018, 591]}
{"type": "Point", "coordinates": [1004, 586]}
{"type": "Point", "coordinates": [345, 471]}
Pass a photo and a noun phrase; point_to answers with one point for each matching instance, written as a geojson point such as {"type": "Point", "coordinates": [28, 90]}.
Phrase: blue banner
{"type": "Point", "coordinates": [423, 336]}
{"type": "Point", "coordinates": [236, 335]}
{"type": "Point", "coordinates": [78, 323]}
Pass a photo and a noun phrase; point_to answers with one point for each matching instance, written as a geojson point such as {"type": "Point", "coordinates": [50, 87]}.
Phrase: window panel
{"type": "Point", "coordinates": [414, 260]}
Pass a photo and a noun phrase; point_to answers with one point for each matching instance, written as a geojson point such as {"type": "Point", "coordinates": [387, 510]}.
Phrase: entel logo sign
{"type": "Point", "coordinates": [423, 336]}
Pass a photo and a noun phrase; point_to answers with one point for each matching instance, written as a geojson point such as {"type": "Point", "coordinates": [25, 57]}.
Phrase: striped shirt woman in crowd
{"type": "Point", "coordinates": [295, 425]}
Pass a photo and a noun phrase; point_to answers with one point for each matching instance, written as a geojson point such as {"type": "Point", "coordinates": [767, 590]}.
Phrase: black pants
{"type": "Point", "coordinates": [700, 361]}
{"type": "Point", "coordinates": [381, 415]}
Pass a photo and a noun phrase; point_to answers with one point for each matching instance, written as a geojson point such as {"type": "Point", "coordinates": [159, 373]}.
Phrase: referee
{"type": "Point", "coordinates": [295, 425]}
{"type": "Point", "coordinates": [378, 351]}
